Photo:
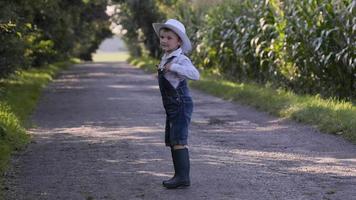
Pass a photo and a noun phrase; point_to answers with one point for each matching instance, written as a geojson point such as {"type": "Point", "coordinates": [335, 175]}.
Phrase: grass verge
{"type": "Point", "coordinates": [328, 115]}
{"type": "Point", "coordinates": [18, 97]}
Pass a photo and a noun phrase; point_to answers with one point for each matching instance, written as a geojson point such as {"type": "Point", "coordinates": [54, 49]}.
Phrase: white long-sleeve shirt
{"type": "Point", "coordinates": [181, 68]}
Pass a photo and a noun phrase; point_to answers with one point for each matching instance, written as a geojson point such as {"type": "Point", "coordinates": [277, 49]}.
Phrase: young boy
{"type": "Point", "coordinates": [173, 71]}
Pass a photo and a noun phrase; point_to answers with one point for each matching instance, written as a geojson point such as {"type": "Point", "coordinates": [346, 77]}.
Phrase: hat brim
{"type": "Point", "coordinates": [186, 46]}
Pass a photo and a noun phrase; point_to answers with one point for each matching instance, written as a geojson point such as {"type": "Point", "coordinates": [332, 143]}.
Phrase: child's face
{"type": "Point", "coordinates": [169, 40]}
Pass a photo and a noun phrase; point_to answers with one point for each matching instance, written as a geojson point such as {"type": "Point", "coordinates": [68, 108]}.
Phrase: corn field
{"type": "Point", "coordinates": [307, 46]}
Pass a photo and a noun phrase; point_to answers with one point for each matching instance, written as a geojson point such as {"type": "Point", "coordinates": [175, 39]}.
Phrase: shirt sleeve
{"type": "Point", "coordinates": [185, 68]}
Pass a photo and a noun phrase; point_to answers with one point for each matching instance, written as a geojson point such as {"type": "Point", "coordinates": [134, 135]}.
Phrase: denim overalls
{"type": "Point", "coordinates": [179, 107]}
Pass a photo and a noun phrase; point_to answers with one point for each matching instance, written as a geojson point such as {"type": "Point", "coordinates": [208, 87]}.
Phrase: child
{"type": "Point", "coordinates": [173, 71]}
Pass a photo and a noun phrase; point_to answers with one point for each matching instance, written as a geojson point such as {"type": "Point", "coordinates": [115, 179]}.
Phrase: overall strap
{"type": "Point", "coordinates": [168, 61]}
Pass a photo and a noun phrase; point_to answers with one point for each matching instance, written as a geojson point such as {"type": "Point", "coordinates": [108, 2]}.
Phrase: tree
{"type": "Point", "coordinates": [34, 33]}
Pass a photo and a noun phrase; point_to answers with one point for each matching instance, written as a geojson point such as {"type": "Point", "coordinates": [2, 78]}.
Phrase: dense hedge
{"type": "Point", "coordinates": [34, 33]}
{"type": "Point", "coordinates": [307, 46]}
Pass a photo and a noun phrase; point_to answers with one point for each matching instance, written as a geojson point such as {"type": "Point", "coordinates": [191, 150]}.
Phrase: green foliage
{"type": "Point", "coordinates": [35, 33]}
{"type": "Point", "coordinates": [12, 134]}
{"type": "Point", "coordinates": [12, 47]}
{"type": "Point", "coordinates": [306, 46]}
{"type": "Point", "coordinates": [321, 45]}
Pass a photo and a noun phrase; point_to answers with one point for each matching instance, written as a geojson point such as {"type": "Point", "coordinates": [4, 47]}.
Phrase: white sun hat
{"type": "Point", "coordinates": [177, 27]}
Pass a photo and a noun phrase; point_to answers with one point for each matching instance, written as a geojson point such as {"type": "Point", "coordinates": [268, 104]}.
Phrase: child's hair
{"type": "Point", "coordinates": [165, 29]}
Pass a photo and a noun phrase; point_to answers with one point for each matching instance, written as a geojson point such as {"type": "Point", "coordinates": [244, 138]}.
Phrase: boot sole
{"type": "Point", "coordinates": [181, 185]}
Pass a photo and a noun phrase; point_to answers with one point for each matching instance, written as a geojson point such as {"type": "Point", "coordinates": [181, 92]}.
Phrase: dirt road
{"type": "Point", "coordinates": [99, 135]}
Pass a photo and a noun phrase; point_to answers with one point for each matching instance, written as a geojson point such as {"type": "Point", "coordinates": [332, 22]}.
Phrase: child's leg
{"type": "Point", "coordinates": [176, 147]}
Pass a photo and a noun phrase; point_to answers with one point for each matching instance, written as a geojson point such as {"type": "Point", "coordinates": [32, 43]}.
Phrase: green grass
{"type": "Point", "coordinates": [19, 94]}
{"type": "Point", "coordinates": [146, 63]}
{"type": "Point", "coordinates": [328, 115]}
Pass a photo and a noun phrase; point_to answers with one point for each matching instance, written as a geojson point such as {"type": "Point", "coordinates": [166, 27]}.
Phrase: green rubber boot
{"type": "Point", "coordinates": [182, 168]}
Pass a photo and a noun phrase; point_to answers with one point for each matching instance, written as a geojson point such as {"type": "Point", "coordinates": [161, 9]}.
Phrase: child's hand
{"type": "Point", "coordinates": [167, 67]}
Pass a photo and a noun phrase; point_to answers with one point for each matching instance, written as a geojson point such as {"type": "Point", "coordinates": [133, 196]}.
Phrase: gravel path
{"type": "Point", "coordinates": [99, 135]}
